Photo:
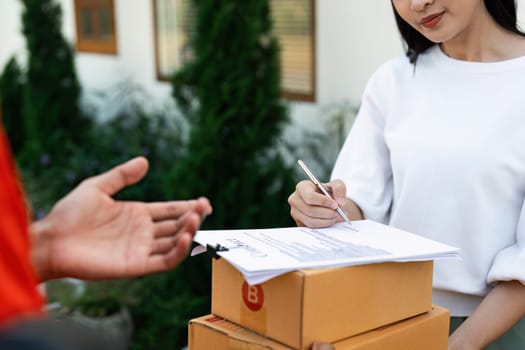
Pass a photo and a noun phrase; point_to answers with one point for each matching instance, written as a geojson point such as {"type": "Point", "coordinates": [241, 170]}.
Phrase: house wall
{"type": "Point", "coordinates": [349, 47]}
{"type": "Point", "coordinates": [10, 30]}
{"type": "Point", "coordinates": [353, 38]}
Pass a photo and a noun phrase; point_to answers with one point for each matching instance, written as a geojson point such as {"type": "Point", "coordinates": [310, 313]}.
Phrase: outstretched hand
{"type": "Point", "coordinates": [89, 235]}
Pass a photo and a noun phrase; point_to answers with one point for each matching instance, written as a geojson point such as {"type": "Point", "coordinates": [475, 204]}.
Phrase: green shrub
{"type": "Point", "coordinates": [157, 135]}
{"type": "Point", "coordinates": [53, 122]}
{"type": "Point", "coordinates": [231, 94]}
{"type": "Point", "coordinates": [11, 90]}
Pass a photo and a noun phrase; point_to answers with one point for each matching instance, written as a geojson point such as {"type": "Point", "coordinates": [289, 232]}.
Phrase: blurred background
{"type": "Point", "coordinates": [222, 97]}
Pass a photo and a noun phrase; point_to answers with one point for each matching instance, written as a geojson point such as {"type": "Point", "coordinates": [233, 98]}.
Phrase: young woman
{"type": "Point", "coordinates": [438, 149]}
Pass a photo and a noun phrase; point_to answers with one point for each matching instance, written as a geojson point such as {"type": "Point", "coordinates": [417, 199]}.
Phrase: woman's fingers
{"type": "Point", "coordinates": [311, 220]}
{"type": "Point", "coordinates": [311, 208]}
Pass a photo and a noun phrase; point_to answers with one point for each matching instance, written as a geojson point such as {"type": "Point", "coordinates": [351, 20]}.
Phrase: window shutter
{"type": "Point", "coordinates": [293, 24]}
{"type": "Point", "coordinates": [174, 24]}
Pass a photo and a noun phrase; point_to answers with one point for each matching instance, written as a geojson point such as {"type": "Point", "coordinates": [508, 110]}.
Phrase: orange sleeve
{"type": "Point", "coordinates": [19, 296]}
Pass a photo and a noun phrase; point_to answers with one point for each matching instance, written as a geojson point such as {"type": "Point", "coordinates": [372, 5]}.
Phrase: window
{"type": "Point", "coordinates": [173, 20]}
{"type": "Point", "coordinates": [294, 26]}
{"type": "Point", "coordinates": [95, 25]}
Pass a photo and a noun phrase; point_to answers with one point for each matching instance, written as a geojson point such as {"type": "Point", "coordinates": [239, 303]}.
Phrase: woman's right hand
{"type": "Point", "coordinates": [309, 207]}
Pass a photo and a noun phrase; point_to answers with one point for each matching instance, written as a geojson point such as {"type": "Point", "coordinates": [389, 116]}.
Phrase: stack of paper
{"type": "Point", "coordinates": [261, 254]}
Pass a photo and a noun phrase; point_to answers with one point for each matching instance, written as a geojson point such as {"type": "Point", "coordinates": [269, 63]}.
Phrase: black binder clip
{"type": "Point", "coordinates": [212, 250]}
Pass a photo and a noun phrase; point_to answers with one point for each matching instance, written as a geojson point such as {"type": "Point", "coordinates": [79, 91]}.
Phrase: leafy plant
{"type": "Point", "coordinates": [92, 298]}
{"type": "Point", "coordinates": [230, 92]}
{"type": "Point", "coordinates": [53, 122]}
{"type": "Point", "coordinates": [11, 90]}
{"type": "Point", "coordinates": [319, 147]}
{"type": "Point", "coordinates": [157, 134]}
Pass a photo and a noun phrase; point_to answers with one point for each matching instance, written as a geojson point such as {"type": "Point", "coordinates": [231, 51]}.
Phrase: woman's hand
{"type": "Point", "coordinates": [309, 207]}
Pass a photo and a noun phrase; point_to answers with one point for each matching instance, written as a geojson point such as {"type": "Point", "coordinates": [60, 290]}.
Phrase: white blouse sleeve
{"type": "Point", "coordinates": [364, 160]}
{"type": "Point", "coordinates": [509, 263]}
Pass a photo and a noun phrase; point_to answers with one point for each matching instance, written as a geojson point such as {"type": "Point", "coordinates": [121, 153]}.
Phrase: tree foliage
{"type": "Point", "coordinates": [11, 94]}
{"type": "Point", "coordinates": [50, 109]}
{"type": "Point", "coordinates": [231, 93]}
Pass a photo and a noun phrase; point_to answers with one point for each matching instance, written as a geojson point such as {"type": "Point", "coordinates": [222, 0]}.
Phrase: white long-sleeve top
{"type": "Point", "coordinates": [439, 150]}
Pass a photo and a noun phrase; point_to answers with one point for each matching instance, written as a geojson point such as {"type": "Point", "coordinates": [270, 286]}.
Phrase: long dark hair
{"type": "Point", "coordinates": [502, 11]}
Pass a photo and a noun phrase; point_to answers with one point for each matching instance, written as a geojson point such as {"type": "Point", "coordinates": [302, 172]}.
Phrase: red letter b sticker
{"type": "Point", "coordinates": [253, 296]}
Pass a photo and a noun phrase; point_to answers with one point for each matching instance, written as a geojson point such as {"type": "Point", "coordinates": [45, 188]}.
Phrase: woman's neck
{"type": "Point", "coordinates": [485, 41]}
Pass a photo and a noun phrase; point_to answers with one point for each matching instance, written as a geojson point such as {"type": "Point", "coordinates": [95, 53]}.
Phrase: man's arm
{"type": "Point", "coordinates": [89, 235]}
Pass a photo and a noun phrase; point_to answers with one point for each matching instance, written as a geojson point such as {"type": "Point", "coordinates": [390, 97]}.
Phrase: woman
{"type": "Point", "coordinates": [437, 149]}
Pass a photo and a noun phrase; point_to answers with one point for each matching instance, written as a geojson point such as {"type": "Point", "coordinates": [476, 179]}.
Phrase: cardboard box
{"type": "Point", "coordinates": [215, 333]}
{"type": "Point", "coordinates": [428, 331]}
{"type": "Point", "coordinates": [324, 304]}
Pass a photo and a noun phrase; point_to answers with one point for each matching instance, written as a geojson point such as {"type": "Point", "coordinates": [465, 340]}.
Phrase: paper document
{"type": "Point", "coordinates": [261, 254]}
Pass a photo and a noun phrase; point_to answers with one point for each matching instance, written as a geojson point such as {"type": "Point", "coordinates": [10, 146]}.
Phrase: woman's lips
{"type": "Point", "coordinates": [432, 20]}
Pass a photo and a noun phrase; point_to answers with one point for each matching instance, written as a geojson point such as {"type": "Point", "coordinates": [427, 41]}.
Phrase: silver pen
{"type": "Point", "coordinates": [322, 189]}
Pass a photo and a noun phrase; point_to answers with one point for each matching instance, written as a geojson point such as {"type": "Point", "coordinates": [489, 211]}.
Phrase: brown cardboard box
{"type": "Point", "coordinates": [324, 305]}
{"type": "Point", "coordinates": [215, 333]}
{"type": "Point", "coordinates": [428, 331]}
